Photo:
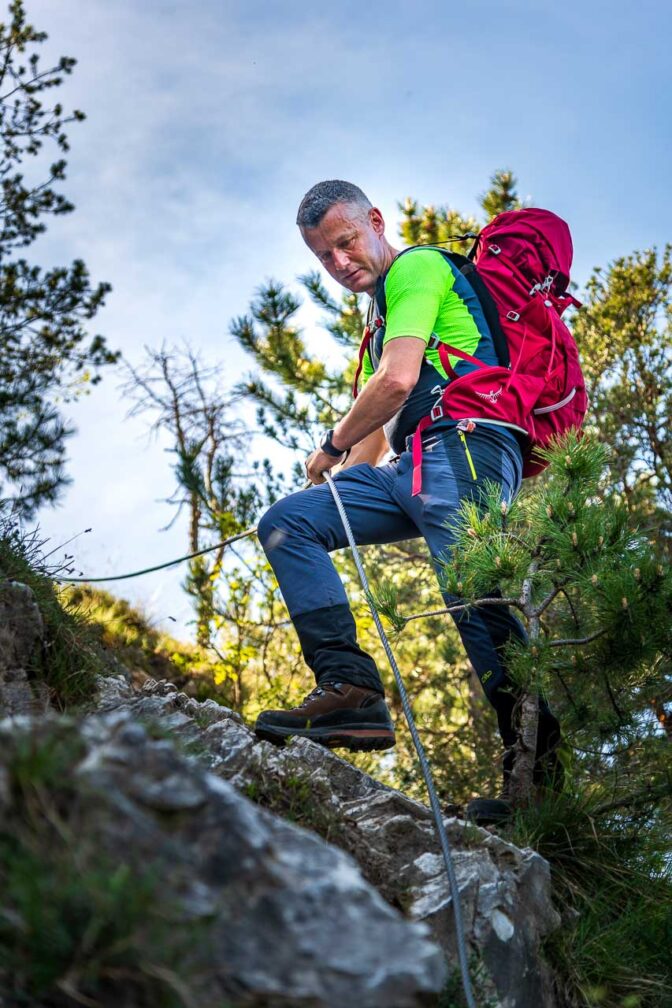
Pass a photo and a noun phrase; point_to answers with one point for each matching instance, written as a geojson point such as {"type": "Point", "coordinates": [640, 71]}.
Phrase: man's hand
{"type": "Point", "coordinates": [317, 463]}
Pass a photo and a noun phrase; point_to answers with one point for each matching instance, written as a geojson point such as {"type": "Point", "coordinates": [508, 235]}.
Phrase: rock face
{"type": "Point", "coordinates": [21, 632]}
{"type": "Point", "coordinates": [354, 909]}
{"type": "Point", "coordinates": [271, 916]}
{"type": "Point", "coordinates": [505, 891]}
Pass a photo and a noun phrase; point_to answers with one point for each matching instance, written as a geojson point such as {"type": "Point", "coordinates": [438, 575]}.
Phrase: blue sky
{"type": "Point", "coordinates": [208, 121]}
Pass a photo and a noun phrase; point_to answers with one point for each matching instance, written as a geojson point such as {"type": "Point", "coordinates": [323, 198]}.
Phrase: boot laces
{"type": "Point", "coordinates": [317, 692]}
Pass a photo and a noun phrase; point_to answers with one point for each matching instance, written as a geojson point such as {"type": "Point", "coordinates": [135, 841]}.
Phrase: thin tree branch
{"type": "Point", "coordinates": [578, 640]}
{"type": "Point", "coordinates": [465, 605]}
{"type": "Point", "coordinates": [647, 796]}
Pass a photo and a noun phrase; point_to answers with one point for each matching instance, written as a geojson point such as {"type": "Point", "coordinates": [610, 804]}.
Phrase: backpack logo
{"type": "Point", "coordinates": [492, 396]}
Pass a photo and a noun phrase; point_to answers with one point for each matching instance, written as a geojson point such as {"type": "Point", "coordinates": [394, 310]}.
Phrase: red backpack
{"type": "Point", "coordinates": [519, 269]}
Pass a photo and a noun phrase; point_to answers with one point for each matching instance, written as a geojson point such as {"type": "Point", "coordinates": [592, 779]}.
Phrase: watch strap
{"type": "Point", "coordinates": [328, 446]}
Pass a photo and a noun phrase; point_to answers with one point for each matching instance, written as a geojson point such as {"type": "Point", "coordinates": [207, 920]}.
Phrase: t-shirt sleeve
{"type": "Point", "coordinates": [415, 288]}
{"type": "Point", "coordinates": [367, 370]}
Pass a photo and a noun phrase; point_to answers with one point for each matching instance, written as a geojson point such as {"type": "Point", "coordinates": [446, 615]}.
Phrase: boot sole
{"type": "Point", "coordinates": [354, 739]}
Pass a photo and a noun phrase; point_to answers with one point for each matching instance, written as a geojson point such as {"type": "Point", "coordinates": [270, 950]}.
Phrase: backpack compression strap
{"type": "Point", "coordinates": [363, 347]}
{"type": "Point", "coordinates": [437, 412]}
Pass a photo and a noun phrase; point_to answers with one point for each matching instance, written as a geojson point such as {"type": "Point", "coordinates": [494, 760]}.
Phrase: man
{"type": "Point", "coordinates": [427, 301]}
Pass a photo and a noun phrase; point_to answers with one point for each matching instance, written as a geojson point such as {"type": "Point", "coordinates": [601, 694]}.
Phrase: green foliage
{"type": "Point", "coordinates": [90, 633]}
{"type": "Point", "coordinates": [44, 353]}
{"type": "Point", "coordinates": [75, 923]}
{"type": "Point", "coordinates": [430, 225]}
{"type": "Point", "coordinates": [70, 659]}
{"type": "Point", "coordinates": [623, 332]}
{"type": "Point", "coordinates": [613, 885]}
{"type": "Point", "coordinates": [313, 395]}
{"type": "Point", "coordinates": [452, 995]}
{"type": "Point", "coordinates": [502, 194]}
{"type": "Point", "coordinates": [125, 632]}
{"type": "Point", "coordinates": [567, 557]}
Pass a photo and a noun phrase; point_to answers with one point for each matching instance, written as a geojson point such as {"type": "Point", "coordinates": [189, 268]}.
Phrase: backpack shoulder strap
{"type": "Point", "coordinates": [380, 299]}
{"type": "Point", "coordinates": [471, 275]}
{"type": "Point", "coordinates": [379, 302]}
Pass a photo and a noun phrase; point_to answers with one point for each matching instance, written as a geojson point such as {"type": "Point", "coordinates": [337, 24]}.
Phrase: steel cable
{"type": "Point", "coordinates": [419, 748]}
{"type": "Point", "coordinates": [169, 563]}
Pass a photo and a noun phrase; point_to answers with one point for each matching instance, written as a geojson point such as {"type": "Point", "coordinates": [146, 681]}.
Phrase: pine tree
{"type": "Point", "coordinates": [430, 225]}
{"type": "Point", "coordinates": [623, 332]}
{"type": "Point", "coordinates": [44, 353]}
{"type": "Point", "coordinates": [597, 602]}
{"type": "Point", "coordinates": [311, 395]}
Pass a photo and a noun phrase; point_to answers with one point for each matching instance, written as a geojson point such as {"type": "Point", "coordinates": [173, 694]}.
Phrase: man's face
{"type": "Point", "coordinates": [350, 244]}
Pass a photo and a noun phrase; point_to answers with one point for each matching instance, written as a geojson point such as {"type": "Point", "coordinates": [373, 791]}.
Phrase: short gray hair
{"type": "Point", "coordinates": [323, 196]}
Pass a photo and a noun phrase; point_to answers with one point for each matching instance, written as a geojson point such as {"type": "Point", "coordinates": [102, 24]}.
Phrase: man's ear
{"type": "Point", "coordinates": [376, 221]}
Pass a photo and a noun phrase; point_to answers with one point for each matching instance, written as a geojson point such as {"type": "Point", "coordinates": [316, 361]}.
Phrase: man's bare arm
{"type": "Point", "coordinates": [371, 449]}
{"type": "Point", "coordinates": [385, 392]}
{"type": "Point", "coordinates": [383, 395]}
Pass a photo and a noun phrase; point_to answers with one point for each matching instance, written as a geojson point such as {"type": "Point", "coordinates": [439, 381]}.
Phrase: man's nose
{"type": "Point", "coordinates": [341, 259]}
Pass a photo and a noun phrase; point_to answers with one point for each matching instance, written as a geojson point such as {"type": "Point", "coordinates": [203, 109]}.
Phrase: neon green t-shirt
{"type": "Point", "coordinates": [427, 295]}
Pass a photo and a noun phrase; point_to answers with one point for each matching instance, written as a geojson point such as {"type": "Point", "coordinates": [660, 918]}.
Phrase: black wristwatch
{"type": "Point", "coordinates": [328, 446]}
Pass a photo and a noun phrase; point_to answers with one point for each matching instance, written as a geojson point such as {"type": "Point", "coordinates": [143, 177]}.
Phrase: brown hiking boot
{"type": "Point", "coordinates": [338, 715]}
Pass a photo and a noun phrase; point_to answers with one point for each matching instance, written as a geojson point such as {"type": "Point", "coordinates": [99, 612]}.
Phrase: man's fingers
{"type": "Point", "coordinates": [316, 465]}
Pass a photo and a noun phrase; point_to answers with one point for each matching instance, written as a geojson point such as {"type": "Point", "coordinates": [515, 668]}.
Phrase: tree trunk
{"type": "Point", "coordinates": [522, 782]}
{"type": "Point", "coordinates": [521, 787]}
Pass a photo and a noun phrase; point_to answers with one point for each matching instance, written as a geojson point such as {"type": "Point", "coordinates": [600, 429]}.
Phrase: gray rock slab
{"type": "Point", "coordinates": [289, 918]}
{"type": "Point", "coordinates": [505, 892]}
{"type": "Point", "coordinates": [21, 636]}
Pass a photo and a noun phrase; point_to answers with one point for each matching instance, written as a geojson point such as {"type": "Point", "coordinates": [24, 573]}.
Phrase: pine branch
{"type": "Point", "coordinates": [460, 607]}
{"type": "Point", "coordinates": [577, 641]}
{"type": "Point", "coordinates": [551, 596]}
{"type": "Point", "coordinates": [646, 796]}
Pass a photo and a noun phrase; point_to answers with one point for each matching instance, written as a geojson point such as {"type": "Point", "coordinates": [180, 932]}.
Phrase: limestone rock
{"type": "Point", "coordinates": [504, 891]}
{"type": "Point", "coordinates": [21, 634]}
{"type": "Point", "coordinates": [283, 919]}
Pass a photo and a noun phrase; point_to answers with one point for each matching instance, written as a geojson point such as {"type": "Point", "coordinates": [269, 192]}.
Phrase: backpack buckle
{"type": "Point", "coordinates": [495, 249]}
{"type": "Point", "coordinates": [513, 316]}
{"type": "Point", "coordinates": [436, 412]}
